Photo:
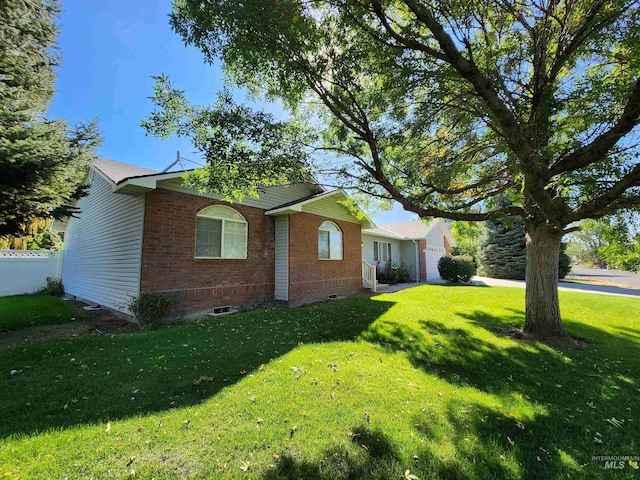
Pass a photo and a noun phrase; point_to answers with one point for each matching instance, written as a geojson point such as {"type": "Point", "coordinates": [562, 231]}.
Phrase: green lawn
{"type": "Point", "coordinates": [20, 311]}
{"type": "Point", "coordinates": [418, 380]}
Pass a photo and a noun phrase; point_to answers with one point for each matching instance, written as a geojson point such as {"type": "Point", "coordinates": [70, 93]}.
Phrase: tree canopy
{"type": "Point", "coordinates": [443, 106]}
{"type": "Point", "coordinates": [42, 161]}
{"type": "Point", "coordinates": [612, 241]}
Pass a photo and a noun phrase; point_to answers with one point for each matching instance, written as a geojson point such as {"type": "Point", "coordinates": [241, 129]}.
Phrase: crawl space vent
{"type": "Point", "coordinates": [221, 310]}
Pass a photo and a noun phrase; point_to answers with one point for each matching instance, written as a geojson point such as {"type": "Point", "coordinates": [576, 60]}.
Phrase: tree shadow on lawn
{"type": "Point", "coordinates": [575, 397]}
{"type": "Point", "coordinates": [65, 383]}
{"type": "Point", "coordinates": [371, 454]}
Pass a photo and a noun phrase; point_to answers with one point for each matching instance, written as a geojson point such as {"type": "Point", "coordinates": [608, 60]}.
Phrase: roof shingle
{"type": "Point", "coordinates": [118, 171]}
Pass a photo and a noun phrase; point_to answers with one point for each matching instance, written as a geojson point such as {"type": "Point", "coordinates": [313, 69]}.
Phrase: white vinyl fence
{"type": "Point", "coordinates": [25, 271]}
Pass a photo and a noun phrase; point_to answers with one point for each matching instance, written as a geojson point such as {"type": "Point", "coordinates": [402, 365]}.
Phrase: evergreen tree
{"type": "Point", "coordinates": [42, 161]}
{"type": "Point", "coordinates": [502, 251]}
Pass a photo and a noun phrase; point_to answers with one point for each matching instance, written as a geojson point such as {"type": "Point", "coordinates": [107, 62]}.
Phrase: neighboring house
{"type": "Point", "coordinates": [139, 231]}
{"type": "Point", "coordinates": [415, 245]}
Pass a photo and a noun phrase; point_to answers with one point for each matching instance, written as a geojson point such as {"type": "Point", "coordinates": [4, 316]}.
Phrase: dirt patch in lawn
{"type": "Point", "coordinates": [86, 323]}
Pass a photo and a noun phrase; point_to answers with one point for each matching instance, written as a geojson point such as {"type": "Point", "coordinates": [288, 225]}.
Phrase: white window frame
{"type": "Point", "coordinates": [326, 227]}
{"type": "Point", "coordinates": [380, 250]}
{"type": "Point", "coordinates": [209, 213]}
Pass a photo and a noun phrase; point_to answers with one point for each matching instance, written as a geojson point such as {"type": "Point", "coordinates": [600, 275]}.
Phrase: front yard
{"type": "Point", "coordinates": [420, 380]}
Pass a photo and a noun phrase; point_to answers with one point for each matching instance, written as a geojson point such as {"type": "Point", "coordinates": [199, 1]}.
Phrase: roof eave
{"type": "Point", "coordinates": [365, 221]}
{"type": "Point", "coordinates": [144, 183]}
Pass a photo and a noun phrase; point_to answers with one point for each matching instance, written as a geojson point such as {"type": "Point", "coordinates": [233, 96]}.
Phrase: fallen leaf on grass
{"type": "Point", "coordinates": [614, 421]}
{"type": "Point", "coordinates": [410, 476]}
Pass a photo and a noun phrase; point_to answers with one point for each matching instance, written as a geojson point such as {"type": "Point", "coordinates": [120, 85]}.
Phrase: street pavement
{"type": "Point", "coordinates": [568, 286]}
{"type": "Point", "coordinates": [617, 277]}
{"type": "Point", "coordinates": [626, 284]}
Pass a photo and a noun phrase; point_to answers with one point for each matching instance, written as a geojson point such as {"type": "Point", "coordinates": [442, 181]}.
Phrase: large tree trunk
{"type": "Point", "coordinates": [542, 306]}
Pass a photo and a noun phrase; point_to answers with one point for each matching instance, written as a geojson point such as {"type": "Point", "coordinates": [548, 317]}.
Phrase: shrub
{"type": "Point", "coordinates": [387, 274]}
{"type": "Point", "coordinates": [404, 274]}
{"type": "Point", "coordinates": [151, 307]}
{"type": "Point", "coordinates": [53, 288]}
{"type": "Point", "coordinates": [456, 269]}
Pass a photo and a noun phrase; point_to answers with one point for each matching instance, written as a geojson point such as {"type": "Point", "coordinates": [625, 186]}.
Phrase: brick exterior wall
{"type": "Point", "coordinates": [312, 279]}
{"type": "Point", "coordinates": [422, 246]}
{"type": "Point", "coordinates": [168, 251]}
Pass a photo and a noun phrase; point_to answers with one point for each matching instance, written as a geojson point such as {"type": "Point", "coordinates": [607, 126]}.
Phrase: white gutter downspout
{"type": "Point", "coordinates": [415, 242]}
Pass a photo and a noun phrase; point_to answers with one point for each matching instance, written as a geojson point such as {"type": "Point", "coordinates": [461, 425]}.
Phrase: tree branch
{"type": "Point", "coordinates": [408, 42]}
{"type": "Point", "coordinates": [600, 146]}
{"type": "Point", "coordinates": [613, 196]}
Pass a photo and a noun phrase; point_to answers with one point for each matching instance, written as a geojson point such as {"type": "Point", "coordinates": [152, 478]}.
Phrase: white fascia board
{"type": "Point", "coordinates": [284, 211]}
{"type": "Point", "coordinates": [146, 182]}
{"type": "Point", "coordinates": [387, 234]}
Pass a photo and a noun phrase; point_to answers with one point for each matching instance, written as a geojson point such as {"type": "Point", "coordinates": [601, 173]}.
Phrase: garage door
{"type": "Point", "coordinates": [433, 254]}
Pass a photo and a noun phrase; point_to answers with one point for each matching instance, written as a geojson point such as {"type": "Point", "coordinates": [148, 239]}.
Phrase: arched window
{"type": "Point", "coordinates": [329, 241]}
{"type": "Point", "coordinates": [221, 232]}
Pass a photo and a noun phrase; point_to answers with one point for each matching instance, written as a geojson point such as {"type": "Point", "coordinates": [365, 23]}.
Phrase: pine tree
{"type": "Point", "coordinates": [42, 161]}
{"type": "Point", "coordinates": [502, 251]}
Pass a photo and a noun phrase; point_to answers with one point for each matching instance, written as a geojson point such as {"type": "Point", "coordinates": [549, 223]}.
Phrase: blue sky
{"type": "Point", "coordinates": [110, 51]}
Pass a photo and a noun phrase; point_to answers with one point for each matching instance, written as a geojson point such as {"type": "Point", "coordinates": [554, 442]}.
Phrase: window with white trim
{"type": "Point", "coordinates": [221, 232]}
{"type": "Point", "coordinates": [329, 241]}
{"type": "Point", "coordinates": [382, 252]}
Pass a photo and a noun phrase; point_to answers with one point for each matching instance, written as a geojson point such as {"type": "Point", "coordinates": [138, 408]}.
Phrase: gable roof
{"type": "Point", "coordinates": [380, 231]}
{"type": "Point", "coordinates": [131, 179]}
{"type": "Point", "coordinates": [296, 205]}
{"type": "Point", "coordinates": [118, 171]}
{"type": "Point", "coordinates": [302, 204]}
{"type": "Point", "coordinates": [411, 230]}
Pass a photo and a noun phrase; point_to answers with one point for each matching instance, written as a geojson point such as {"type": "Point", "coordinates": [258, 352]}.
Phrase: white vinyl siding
{"type": "Point", "coordinates": [327, 207]}
{"type": "Point", "coordinates": [282, 258]}
{"type": "Point", "coordinates": [103, 247]}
